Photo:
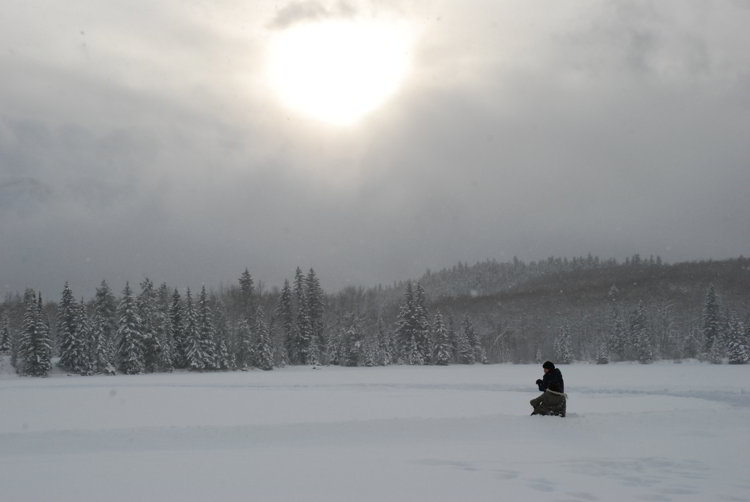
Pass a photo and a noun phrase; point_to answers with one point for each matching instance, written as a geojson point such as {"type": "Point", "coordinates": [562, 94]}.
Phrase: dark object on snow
{"type": "Point", "coordinates": [552, 402]}
{"type": "Point", "coordinates": [551, 376]}
{"type": "Point", "coordinates": [548, 365]}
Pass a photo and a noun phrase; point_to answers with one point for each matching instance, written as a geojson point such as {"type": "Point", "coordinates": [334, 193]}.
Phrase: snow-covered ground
{"type": "Point", "coordinates": [657, 432]}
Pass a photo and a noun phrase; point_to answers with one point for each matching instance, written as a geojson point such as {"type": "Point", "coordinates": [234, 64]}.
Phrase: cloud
{"type": "Point", "coordinates": [298, 12]}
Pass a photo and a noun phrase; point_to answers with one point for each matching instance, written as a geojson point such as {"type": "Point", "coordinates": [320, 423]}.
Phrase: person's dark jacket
{"type": "Point", "coordinates": [552, 377]}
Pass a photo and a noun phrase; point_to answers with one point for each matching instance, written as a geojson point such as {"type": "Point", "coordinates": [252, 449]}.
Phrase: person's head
{"type": "Point", "coordinates": [548, 366]}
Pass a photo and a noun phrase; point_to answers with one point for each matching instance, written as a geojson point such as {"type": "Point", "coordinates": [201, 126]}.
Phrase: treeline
{"type": "Point", "coordinates": [583, 309]}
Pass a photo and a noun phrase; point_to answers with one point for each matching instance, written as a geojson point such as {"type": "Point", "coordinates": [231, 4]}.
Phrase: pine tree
{"type": "Point", "coordinates": [245, 345]}
{"type": "Point", "coordinates": [206, 331]}
{"type": "Point", "coordinates": [73, 350]}
{"type": "Point", "coordinates": [194, 355]}
{"type": "Point", "coordinates": [130, 339]}
{"type": "Point", "coordinates": [711, 320]}
{"type": "Point", "coordinates": [602, 353]}
{"type": "Point", "coordinates": [4, 335]}
{"type": "Point", "coordinates": [422, 326]}
{"type": "Point", "coordinates": [179, 335]}
{"type": "Point", "coordinates": [164, 332]}
{"type": "Point", "coordinates": [737, 349]}
{"type": "Point", "coordinates": [385, 342]}
{"type": "Point", "coordinates": [315, 304]}
{"type": "Point", "coordinates": [247, 296]}
{"type": "Point", "coordinates": [263, 350]}
{"type": "Point", "coordinates": [285, 312]}
{"type": "Point", "coordinates": [641, 336]}
{"type": "Point", "coordinates": [304, 344]}
{"type": "Point", "coordinates": [405, 327]}
{"type": "Point", "coordinates": [442, 354]}
{"type": "Point", "coordinates": [35, 345]}
{"type": "Point", "coordinates": [563, 346]}
{"type": "Point", "coordinates": [105, 319]}
{"type": "Point", "coordinates": [101, 353]}
{"type": "Point", "coordinates": [465, 342]}
{"type": "Point", "coordinates": [151, 343]}
{"type": "Point", "coordinates": [225, 359]}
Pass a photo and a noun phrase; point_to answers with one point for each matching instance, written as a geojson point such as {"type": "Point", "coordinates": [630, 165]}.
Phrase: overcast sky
{"type": "Point", "coordinates": [140, 138]}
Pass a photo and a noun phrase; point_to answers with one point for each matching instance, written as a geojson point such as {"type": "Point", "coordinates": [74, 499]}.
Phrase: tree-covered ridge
{"type": "Point", "coordinates": [566, 310]}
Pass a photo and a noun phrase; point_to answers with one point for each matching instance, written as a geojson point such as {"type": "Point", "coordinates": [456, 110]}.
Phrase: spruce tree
{"type": "Point", "coordinates": [129, 337]}
{"type": "Point", "coordinates": [103, 331]}
{"type": "Point", "coordinates": [179, 334]}
{"type": "Point", "coordinates": [247, 296]}
{"type": "Point", "coordinates": [245, 345]}
{"type": "Point", "coordinates": [464, 342]}
{"type": "Point", "coordinates": [737, 349]}
{"type": "Point", "coordinates": [73, 352]}
{"type": "Point", "coordinates": [315, 304]}
{"type": "Point", "coordinates": [194, 354]}
{"type": "Point", "coordinates": [422, 326]}
{"type": "Point", "coordinates": [206, 331]}
{"type": "Point", "coordinates": [285, 313]}
{"type": "Point", "coordinates": [149, 322]}
{"type": "Point", "coordinates": [35, 345]}
{"type": "Point", "coordinates": [442, 349]}
{"type": "Point", "coordinates": [4, 335]}
{"type": "Point", "coordinates": [405, 327]}
{"type": "Point", "coordinates": [163, 327]}
{"type": "Point", "coordinates": [640, 335]}
{"type": "Point", "coordinates": [263, 350]}
{"type": "Point", "coordinates": [304, 344]}
{"type": "Point", "coordinates": [225, 359]}
{"type": "Point", "coordinates": [563, 346]}
{"type": "Point", "coordinates": [385, 342]}
{"type": "Point", "coordinates": [711, 320]}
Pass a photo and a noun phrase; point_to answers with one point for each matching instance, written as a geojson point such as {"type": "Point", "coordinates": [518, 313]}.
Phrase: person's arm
{"type": "Point", "coordinates": [540, 383]}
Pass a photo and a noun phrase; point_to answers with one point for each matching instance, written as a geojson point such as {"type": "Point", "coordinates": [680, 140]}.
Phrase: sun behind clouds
{"type": "Point", "coordinates": [338, 71]}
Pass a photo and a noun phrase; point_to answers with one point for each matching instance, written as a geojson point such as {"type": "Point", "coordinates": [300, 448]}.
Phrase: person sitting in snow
{"type": "Point", "coordinates": [553, 400]}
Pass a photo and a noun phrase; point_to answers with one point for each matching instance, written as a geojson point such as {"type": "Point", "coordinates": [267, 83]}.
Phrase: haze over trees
{"type": "Point", "coordinates": [583, 309]}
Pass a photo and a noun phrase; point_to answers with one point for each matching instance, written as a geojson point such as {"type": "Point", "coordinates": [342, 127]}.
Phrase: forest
{"type": "Point", "coordinates": [567, 310]}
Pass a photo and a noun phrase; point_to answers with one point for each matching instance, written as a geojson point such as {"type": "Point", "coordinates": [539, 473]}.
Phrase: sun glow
{"type": "Point", "coordinates": [338, 71]}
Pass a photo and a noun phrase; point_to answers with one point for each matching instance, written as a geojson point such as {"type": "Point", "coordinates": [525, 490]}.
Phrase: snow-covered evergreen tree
{"type": "Point", "coordinates": [563, 346]}
{"type": "Point", "coordinates": [206, 331]}
{"type": "Point", "coordinates": [225, 359]}
{"type": "Point", "coordinates": [385, 342]}
{"type": "Point", "coordinates": [465, 342]}
{"type": "Point", "coordinates": [711, 321]}
{"type": "Point", "coordinates": [163, 329]}
{"type": "Point", "coordinates": [305, 347]}
{"type": "Point", "coordinates": [4, 335]}
{"type": "Point", "coordinates": [129, 338]}
{"type": "Point", "coordinates": [105, 319]}
{"type": "Point", "coordinates": [179, 334]}
{"type": "Point", "coordinates": [405, 327]}
{"type": "Point", "coordinates": [194, 355]}
{"type": "Point", "coordinates": [245, 354]}
{"type": "Point", "coordinates": [602, 353]}
{"type": "Point", "coordinates": [74, 353]}
{"type": "Point", "coordinates": [285, 314]}
{"type": "Point", "coordinates": [247, 297]}
{"type": "Point", "coordinates": [351, 346]}
{"type": "Point", "coordinates": [147, 311]}
{"type": "Point", "coordinates": [422, 328]}
{"type": "Point", "coordinates": [35, 345]}
{"type": "Point", "coordinates": [442, 354]}
{"type": "Point", "coordinates": [315, 304]}
{"type": "Point", "coordinates": [737, 349]}
{"type": "Point", "coordinates": [640, 334]}
{"type": "Point", "coordinates": [263, 350]}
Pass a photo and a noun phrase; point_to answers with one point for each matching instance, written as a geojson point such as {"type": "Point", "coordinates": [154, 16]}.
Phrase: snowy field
{"type": "Point", "coordinates": [657, 433]}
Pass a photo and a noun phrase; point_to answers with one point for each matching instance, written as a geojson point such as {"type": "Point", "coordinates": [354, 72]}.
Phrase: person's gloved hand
{"type": "Point", "coordinates": [539, 382]}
